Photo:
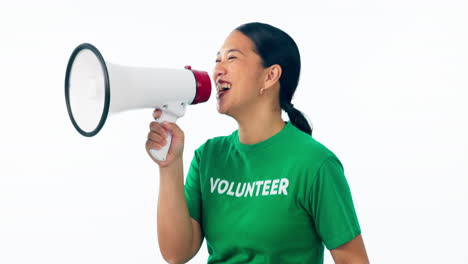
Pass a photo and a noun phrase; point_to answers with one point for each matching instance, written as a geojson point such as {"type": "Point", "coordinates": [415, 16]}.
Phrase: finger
{"type": "Point", "coordinates": [157, 138]}
{"type": "Point", "coordinates": [172, 128]}
{"type": "Point", "coordinates": [157, 113]}
{"type": "Point", "coordinates": [152, 145]}
{"type": "Point", "coordinates": [157, 128]}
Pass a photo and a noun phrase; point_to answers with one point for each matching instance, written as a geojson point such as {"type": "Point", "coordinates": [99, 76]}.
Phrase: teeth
{"type": "Point", "coordinates": [221, 87]}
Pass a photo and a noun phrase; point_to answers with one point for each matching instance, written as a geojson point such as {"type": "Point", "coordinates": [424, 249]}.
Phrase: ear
{"type": "Point", "coordinates": [272, 76]}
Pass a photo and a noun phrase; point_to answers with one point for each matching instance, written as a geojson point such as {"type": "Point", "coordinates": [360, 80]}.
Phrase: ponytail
{"type": "Point", "coordinates": [297, 118]}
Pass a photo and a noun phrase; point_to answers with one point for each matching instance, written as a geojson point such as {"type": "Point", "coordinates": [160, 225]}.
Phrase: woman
{"type": "Point", "coordinates": [267, 193]}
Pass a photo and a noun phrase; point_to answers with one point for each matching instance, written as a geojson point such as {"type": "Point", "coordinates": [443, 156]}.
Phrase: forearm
{"type": "Point", "coordinates": [173, 219]}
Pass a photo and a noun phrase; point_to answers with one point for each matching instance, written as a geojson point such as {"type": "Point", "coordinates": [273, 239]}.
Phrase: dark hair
{"type": "Point", "coordinates": [275, 46]}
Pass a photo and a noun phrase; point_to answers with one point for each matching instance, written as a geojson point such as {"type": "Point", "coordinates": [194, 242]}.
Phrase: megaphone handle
{"type": "Point", "coordinates": [161, 154]}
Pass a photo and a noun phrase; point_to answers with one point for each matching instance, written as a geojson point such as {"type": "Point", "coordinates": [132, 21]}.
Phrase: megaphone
{"type": "Point", "coordinates": [95, 88]}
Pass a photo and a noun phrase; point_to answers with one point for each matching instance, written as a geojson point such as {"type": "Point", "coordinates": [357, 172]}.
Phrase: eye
{"type": "Point", "coordinates": [217, 60]}
{"type": "Point", "coordinates": [232, 58]}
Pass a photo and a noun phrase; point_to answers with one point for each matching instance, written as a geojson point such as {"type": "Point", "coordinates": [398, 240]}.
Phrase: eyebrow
{"type": "Point", "coordinates": [231, 50]}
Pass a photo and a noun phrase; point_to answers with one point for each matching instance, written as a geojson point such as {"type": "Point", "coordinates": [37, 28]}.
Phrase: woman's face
{"type": "Point", "coordinates": [238, 75]}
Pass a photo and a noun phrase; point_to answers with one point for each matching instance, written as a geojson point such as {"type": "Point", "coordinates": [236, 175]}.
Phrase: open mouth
{"type": "Point", "coordinates": [222, 87]}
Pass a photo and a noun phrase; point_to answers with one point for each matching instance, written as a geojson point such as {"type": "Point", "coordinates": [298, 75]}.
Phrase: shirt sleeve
{"type": "Point", "coordinates": [192, 188]}
{"type": "Point", "coordinates": [332, 209]}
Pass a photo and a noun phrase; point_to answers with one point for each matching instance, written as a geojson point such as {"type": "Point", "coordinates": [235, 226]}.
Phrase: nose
{"type": "Point", "coordinates": [219, 70]}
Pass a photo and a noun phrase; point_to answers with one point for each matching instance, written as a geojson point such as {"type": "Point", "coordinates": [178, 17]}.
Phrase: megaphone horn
{"type": "Point", "coordinates": [89, 80]}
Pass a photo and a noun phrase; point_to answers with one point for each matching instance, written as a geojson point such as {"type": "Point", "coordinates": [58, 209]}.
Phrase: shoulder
{"type": "Point", "coordinates": [306, 146]}
{"type": "Point", "coordinates": [308, 154]}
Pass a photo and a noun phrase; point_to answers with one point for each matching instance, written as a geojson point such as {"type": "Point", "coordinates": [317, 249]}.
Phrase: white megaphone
{"type": "Point", "coordinates": [89, 80]}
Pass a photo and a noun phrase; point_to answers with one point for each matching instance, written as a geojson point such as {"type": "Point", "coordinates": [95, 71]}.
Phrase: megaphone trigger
{"type": "Point", "coordinates": [170, 113]}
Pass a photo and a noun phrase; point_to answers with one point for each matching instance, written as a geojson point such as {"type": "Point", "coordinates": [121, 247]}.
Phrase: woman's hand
{"type": "Point", "coordinates": [157, 139]}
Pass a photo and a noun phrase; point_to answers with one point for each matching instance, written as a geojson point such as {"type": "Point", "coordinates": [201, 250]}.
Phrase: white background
{"type": "Point", "coordinates": [384, 83]}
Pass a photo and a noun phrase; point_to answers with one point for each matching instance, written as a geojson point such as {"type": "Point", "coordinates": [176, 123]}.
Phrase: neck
{"type": "Point", "coordinates": [257, 126]}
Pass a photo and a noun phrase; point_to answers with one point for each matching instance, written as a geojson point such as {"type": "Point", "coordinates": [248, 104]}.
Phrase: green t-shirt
{"type": "Point", "coordinates": [277, 201]}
